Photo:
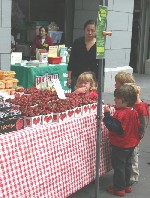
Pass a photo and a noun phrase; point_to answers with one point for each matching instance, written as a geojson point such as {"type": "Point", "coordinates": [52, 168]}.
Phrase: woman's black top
{"type": "Point", "coordinates": [82, 60]}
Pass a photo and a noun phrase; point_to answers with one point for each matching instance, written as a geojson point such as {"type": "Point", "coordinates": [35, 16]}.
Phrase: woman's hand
{"type": "Point", "coordinates": [69, 82]}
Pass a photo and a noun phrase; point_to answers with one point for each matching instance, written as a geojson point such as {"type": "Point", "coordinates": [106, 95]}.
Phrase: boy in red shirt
{"type": "Point", "coordinates": [143, 112]}
{"type": "Point", "coordinates": [123, 129]}
{"type": "Point", "coordinates": [122, 78]}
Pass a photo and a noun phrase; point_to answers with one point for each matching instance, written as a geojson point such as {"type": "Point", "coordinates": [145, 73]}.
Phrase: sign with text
{"type": "Point", "coordinates": [16, 57]}
{"type": "Point", "coordinates": [100, 39]}
{"type": "Point", "coordinates": [53, 51]}
{"type": "Point", "coordinates": [60, 92]}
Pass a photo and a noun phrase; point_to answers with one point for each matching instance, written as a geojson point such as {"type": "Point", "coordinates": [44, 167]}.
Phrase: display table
{"type": "Point", "coordinates": [52, 161]}
{"type": "Point", "coordinates": [26, 74]}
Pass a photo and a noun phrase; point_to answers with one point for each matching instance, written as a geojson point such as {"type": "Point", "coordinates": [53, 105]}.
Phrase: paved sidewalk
{"type": "Point", "coordinates": [142, 188]}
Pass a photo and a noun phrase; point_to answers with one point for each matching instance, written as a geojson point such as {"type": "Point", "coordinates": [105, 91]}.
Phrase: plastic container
{"type": "Point", "coordinates": [2, 84]}
{"type": "Point", "coordinates": [15, 82]}
{"type": "Point", "coordinates": [8, 84]}
{"type": "Point", "coordinates": [54, 60]}
{"type": "Point", "coordinates": [6, 75]}
{"type": "Point", "coordinates": [55, 36]}
{"type": "Point", "coordinates": [12, 74]}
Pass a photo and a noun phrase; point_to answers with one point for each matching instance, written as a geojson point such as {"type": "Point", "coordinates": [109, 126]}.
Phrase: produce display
{"type": "Point", "coordinates": [7, 81]}
{"type": "Point", "coordinates": [44, 106]}
{"type": "Point", "coordinates": [10, 120]}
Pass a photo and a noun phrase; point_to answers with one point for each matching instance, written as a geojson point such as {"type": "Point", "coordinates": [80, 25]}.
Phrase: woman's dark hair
{"type": "Point", "coordinates": [44, 27]}
{"type": "Point", "coordinates": [127, 94]}
{"type": "Point", "coordinates": [89, 22]}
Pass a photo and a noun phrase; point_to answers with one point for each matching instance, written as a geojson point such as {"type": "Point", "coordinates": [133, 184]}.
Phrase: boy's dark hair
{"type": "Point", "coordinates": [89, 22]}
{"type": "Point", "coordinates": [127, 94]}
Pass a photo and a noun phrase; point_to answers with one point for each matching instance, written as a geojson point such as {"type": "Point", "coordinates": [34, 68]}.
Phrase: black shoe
{"type": "Point", "coordinates": [148, 163]}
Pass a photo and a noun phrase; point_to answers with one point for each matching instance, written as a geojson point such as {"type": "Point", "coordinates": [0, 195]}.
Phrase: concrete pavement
{"type": "Point", "coordinates": [142, 188]}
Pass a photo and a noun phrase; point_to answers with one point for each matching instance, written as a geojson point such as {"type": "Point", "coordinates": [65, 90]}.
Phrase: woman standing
{"type": "Point", "coordinates": [83, 54]}
{"type": "Point", "coordinates": [41, 41]}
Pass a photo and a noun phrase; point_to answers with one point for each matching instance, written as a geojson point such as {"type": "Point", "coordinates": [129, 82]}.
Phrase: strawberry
{"type": "Point", "coordinates": [19, 124]}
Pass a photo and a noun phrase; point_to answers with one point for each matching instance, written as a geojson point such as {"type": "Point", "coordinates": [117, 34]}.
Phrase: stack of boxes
{"type": "Point", "coordinates": [7, 82]}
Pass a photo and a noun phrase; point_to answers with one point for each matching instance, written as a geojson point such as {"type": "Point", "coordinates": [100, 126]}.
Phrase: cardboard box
{"type": "Point", "coordinates": [59, 117]}
{"type": "Point", "coordinates": [70, 113]}
{"type": "Point", "coordinates": [32, 121]}
{"type": "Point", "coordinates": [93, 107]}
{"type": "Point", "coordinates": [78, 111]}
{"type": "Point", "coordinates": [46, 119]}
{"type": "Point", "coordinates": [86, 109]}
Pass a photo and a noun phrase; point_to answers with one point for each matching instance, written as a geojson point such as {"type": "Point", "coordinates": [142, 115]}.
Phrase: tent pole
{"type": "Point", "coordinates": [99, 120]}
{"type": "Point", "coordinates": [99, 116]}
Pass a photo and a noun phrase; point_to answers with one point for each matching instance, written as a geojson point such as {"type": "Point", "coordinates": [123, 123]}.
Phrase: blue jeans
{"type": "Point", "coordinates": [121, 163]}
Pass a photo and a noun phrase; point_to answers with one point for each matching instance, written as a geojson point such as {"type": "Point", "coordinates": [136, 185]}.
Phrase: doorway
{"type": "Point", "coordinates": [25, 12]}
{"type": "Point", "coordinates": [140, 43]}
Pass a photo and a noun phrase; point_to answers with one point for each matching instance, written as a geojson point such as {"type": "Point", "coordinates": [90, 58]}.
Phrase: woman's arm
{"type": "Point", "coordinates": [33, 48]}
{"type": "Point", "coordinates": [69, 79]}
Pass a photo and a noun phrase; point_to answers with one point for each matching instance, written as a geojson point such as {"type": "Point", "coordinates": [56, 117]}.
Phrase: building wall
{"type": "Point", "coordinates": [5, 34]}
{"type": "Point", "coordinates": [119, 21]}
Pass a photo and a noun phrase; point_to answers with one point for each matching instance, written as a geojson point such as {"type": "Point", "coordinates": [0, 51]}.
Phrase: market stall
{"type": "Point", "coordinates": [27, 74]}
{"type": "Point", "coordinates": [53, 160]}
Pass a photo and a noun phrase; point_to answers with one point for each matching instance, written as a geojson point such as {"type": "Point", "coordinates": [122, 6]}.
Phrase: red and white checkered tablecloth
{"type": "Point", "coordinates": [52, 161]}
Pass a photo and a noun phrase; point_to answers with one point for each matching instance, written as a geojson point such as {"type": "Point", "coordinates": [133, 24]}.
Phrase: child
{"type": "Point", "coordinates": [123, 77]}
{"type": "Point", "coordinates": [123, 134]}
{"type": "Point", "coordinates": [143, 112]}
{"type": "Point", "coordinates": [87, 85]}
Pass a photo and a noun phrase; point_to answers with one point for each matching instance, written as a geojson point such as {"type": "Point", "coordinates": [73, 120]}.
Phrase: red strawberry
{"type": "Point", "coordinates": [19, 124]}
{"type": "Point", "coordinates": [93, 106]}
{"type": "Point", "coordinates": [78, 111]}
{"type": "Point", "coordinates": [27, 122]}
{"type": "Point", "coordinates": [70, 113]}
{"type": "Point", "coordinates": [62, 116]}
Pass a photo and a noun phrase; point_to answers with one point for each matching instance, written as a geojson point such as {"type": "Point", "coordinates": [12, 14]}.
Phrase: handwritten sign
{"type": "Point", "coordinates": [53, 51]}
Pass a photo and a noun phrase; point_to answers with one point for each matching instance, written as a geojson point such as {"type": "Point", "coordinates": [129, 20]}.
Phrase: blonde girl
{"type": "Point", "coordinates": [86, 84]}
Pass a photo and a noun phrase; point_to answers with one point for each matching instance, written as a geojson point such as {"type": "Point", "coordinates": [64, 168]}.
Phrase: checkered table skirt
{"type": "Point", "coordinates": [52, 161]}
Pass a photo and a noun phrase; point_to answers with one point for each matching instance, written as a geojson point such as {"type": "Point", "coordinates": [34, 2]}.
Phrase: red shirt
{"type": "Point", "coordinates": [37, 43]}
{"type": "Point", "coordinates": [142, 109]}
{"type": "Point", "coordinates": [130, 123]}
{"type": "Point", "coordinates": [93, 94]}
{"type": "Point", "coordinates": [143, 112]}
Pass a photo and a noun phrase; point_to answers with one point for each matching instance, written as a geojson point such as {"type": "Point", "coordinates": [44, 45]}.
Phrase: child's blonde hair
{"type": "Point", "coordinates": [135, 86]}
{"type": "Point", "coordinates": [124, 77]}
{"type": "Point", "coordinates": [87, 77]}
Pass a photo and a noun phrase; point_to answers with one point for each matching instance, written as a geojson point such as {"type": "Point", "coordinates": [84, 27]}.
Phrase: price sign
{"type": "Point", "coordinates": [100, 38]}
